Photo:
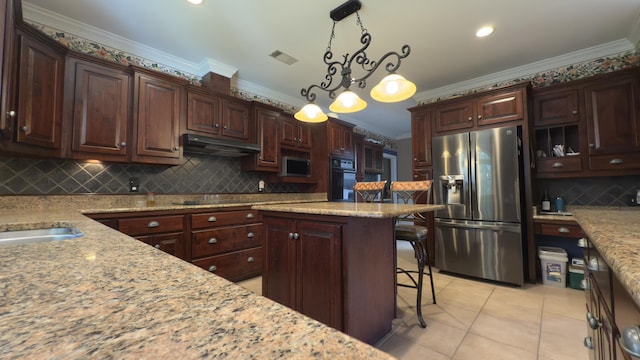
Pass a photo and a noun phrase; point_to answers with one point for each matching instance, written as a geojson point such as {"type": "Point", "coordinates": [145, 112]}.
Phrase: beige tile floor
{"type": "Point", "coordinates": [480, 320]}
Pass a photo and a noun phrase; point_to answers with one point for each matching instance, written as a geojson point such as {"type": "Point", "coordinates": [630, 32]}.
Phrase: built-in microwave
{"type": "Point", "coordinates": [292, 166]}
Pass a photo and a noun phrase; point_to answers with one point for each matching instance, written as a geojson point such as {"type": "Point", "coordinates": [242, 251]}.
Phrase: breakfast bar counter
{"type": "Point", "coordinates": [107, 295]}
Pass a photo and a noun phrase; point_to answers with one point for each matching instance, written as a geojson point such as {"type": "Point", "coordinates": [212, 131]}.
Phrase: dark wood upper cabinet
{"type": "Point", "coordinates": [421, 138]}
{"type": "Point", "coordinates": [40, 89]}
{"type": "Point", "coordinates": [267, 129]}
{"type": "Point", "coordinates": [555, 107]}
{"type": "Point", "coordinates": [235, 117]}
{"type": "Point", "coordinates": [295, 135]}
{"type": "Point", "coordinates": [340, 139]}
{"type": "Point", "coordinates": [158, 103]}
{"type": "Point", "coordinates": [204, 112]}
{"type": "Point", "coordinates": [100, 98]}
{"type": "Point", "coordinates": [456, 116]}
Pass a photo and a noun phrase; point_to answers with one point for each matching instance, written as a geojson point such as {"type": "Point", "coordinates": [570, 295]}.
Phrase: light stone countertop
{"type": "Point", "coordinates": [369, 210]}
{"type": "Point", "coordinates": [615, 232]}
{"type": "Point", "coordinates": [107, 295]}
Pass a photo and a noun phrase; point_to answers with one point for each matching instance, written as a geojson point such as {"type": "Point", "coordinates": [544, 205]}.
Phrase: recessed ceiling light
{"type": "Point", "coordinates": [195, 2]}
{"type": "Point", "coordinates": [484, 31]}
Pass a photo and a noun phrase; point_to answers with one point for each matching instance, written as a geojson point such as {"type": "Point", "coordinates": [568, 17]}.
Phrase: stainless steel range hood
{"type": "Point", "coordinates": [199, 144]}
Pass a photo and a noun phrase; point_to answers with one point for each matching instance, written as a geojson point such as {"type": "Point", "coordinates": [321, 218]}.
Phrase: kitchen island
{"type": "Point", "coordinates": [335, 261]}
{"type": "Point", "coordinates": [107, 295]}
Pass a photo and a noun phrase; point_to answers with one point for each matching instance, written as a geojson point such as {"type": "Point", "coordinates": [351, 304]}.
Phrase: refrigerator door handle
{"type": "Point", "coordinates": [477, 225]}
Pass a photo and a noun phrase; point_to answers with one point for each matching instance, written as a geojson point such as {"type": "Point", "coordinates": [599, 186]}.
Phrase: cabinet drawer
{"type": "Point", "coordinates": [151, 225]}
{"type": "Point", "coordinates": [573, 231]}
{"type": "Point", "coordinates": [559, 164]}
{"type": "Point", "coordinates": [225, 239]}
{"type": "Point", "coordinates": [199, 221]}
{"type": "Point", "coordinates": [614, 162]}
{"type": "Point", "coordinates": [234, 266]}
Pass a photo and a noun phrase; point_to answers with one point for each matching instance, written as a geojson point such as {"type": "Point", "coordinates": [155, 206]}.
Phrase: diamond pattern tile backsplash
{"type": "Point", "coordinates": [200, 174]}
{"type": "Point", "coordinates": [597, 191]}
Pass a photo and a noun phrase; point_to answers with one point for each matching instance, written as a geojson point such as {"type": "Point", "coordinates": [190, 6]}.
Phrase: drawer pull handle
{"type": "Point", "coordinates": [157, 246]}
{"type": "Point", "coordinates": [557, 165]}
{"type": "Point", "coordinates": [153, 224]}
{"type": "Point", "coordinates": [212, 219]}
{"type": "Point", "coordinates": [594, 323]}
{"type": "Point", "coordinates": [213, 241]}
{"type": "Point", "coordinates": [251, 235]}
{"type": "Point", "coordinates": [251, 259]}
{"type": "Point", "coordinates": [563, 230]}
{"type": "Point", "coordinates": [615, 161]}
{"type": "Point", "coordinates": [213, 268]}
{"type": "Point", "coordinates": [250, 216]}
{"type": "Point", "coordinates": [588, 343]}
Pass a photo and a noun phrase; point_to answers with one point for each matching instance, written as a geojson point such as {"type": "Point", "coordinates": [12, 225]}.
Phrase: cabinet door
{"type": "Point", "coordinates": [305, 140]}
{"type": "Point", "coordinates": [235, 119]}
{"type": "Point", "coordinates": [454, 116]}
{"type": "Point", "coordinates": [40, 86]}
{"type": "Point", "coordinates": [203, 113]}
{"type": "Point", "coordinates": [499, 108]}
{"type": "Point", "coordinates": [267, 122]}
{"type": "Point", "coordinates": [340, 140]}
{"type": "Point", "coordinates": [421, 138]}
{"type": "Point", "coordinates": [170, 243]}
{"type": "Point", "coordinates": [279, 275]}
{"type": "Point", "coordinates": [158, 106]}
{"type": "Point", "coordinates": [101, 101]}
{"type": "Point", "coordinates": [288, 132]}
{"type": "Point", "coordinates": [613, 124]}
{"type": "Point", "coordinates": [553, 107]}
{"type": "Point", "coordinates": [319, 267]}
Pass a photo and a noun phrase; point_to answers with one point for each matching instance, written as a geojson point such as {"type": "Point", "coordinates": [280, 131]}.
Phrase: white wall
{"type": "Point", "coordinates": [405, 172]}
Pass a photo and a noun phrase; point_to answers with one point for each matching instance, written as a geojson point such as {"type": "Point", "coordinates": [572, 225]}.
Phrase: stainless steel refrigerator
{"type": "Point", "coordinates": [477, 176]}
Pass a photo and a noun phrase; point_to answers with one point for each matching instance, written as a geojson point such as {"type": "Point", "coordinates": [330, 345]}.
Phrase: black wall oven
{"type": "Point", "coordinates": [343, 177]}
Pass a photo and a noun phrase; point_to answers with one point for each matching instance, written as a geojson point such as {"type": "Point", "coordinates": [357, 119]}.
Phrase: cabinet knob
{"type": "Point", "coordinates": [415, 159]}
{"type": "Point", "coordinates": [212, 219]}
{"type": "Point", "coordinates": [250, 216]}
{"type": "Point", "coordinates": [479, 117]}
{"type": "Point", "coordinates": [470, 118]}
{"type": "Point", "coordinates": [588, 343]}
{"type": "Point", "coordinates": [563, 230]}
{"type": "Point", "coordinates": [415, 176]}
{"type": "Point", "coordinates": [251, 259]}
{"type": "Point", "coordinates": [250, 235]}
{"type": "Point", "coordinates": [123, 144]}
{"type": "Point", "coordinates": [225, 127]}
{"type": "Point", "coordinates": [174, 149]}
{"type": "Point", "coordinates": [216, 125]}
{"type": "Point", "coordinates": [11, 113]}
{"type": "Point", "coordinates": [213, 268]}
{"type": "Point", "coordinates": [24, 128]}
{"type": "Point", "coordinates": [592, 146]}
{"type": "Point", "coordinates": [213, 241]}
{"type": "Point", "coordinates": [296, 236]}
{"type": "Point", "coordinates": [594, 323]}
{"type": "Point", "coordinates": [157, 246]}
{"type": "Point", "coordinates": [557, 165]}
{"type": "Point", "coordinates": [290, 236]}
{"type": "Point", "coordinates": [574, 112]}
{"type": "Point", "coordinates": [153, 224]}
{"type": "Point", "coordinates": [616, 161]}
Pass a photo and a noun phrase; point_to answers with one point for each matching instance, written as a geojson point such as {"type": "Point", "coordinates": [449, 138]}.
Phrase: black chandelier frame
{"type": "Point", "coordinates": [359, 57]}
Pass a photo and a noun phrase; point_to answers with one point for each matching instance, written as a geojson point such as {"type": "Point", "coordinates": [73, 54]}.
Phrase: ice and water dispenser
{"type": "Point", "coordinates": [452, 188]}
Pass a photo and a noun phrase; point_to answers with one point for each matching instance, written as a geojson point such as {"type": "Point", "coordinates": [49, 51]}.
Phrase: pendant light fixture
{"type": "Point", "coordinates": [392, 88]}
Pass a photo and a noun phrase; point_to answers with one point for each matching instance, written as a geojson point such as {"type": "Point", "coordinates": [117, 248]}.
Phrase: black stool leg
{"type": "Point", "coordinates": [420, 256]}
{"type": "Point", "coordinates": [433, 290]}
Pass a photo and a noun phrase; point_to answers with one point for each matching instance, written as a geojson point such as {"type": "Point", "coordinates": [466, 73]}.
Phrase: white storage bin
{"type": "Point", "coordinates": [553, 263]}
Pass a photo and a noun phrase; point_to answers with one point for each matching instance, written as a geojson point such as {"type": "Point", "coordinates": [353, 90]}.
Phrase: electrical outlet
{"type": "Point", "coordinates": [261, 185]}
{"type": "Point", "coordinates": [134, 185]}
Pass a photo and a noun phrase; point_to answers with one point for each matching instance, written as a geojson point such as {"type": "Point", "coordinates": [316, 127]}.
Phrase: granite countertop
{"type": "Point", "coordinates": [369, 210]}
{"type": "Point", "coordinates": [107, 295]}
{"type": "Point", "coordinates": [615, 232]}
{"type": "Point", "coordinates": [549, 216]}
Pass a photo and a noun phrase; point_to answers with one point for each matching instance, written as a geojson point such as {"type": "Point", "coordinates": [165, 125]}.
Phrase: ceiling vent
{"type": "Point", "coordinates": [285, 58]}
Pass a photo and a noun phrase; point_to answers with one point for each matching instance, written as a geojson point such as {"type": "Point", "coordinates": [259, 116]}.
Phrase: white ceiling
{"type": "Point", "coordinates": [235, 37]}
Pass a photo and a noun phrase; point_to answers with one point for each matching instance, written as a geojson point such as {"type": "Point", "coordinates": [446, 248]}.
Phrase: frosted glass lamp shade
{"type": "Point", "coordinates": [393, 88]}
{"type": "Point", "coordinates": [311, 113]}
{"type": "Point", "coordinates": [348, 102]}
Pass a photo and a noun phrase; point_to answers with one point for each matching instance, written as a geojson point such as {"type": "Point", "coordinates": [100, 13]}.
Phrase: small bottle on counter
{"type": "Point", "coordinates": [150, 199]}
{"type": "Point", "coordinates": [546, 204]}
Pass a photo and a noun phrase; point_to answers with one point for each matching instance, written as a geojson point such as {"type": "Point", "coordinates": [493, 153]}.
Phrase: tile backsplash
{"type": "Point", "coordinates": [199, 174]}
{"type": "Point", "coordinates": [596, 191]}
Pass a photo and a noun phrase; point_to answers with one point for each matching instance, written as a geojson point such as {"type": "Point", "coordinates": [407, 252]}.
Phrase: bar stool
{"type": "Point", "coordinates": [369, 191]}
{"type": "Point", "coordinates": [416, 192]}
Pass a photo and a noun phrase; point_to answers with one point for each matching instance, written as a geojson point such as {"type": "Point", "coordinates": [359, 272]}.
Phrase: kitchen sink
{"type": "Point", "coordinates": [22, 237]}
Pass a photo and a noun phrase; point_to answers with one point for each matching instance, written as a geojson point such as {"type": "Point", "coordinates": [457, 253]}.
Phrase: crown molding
{"type": "Point", "coordinates": [634, 33]}
{"type": "Point", "coordinates": [610, 48]}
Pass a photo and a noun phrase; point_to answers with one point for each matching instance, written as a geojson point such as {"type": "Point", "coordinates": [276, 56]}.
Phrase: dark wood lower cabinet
{"type": "Point", "coordinates": [337, 270]}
